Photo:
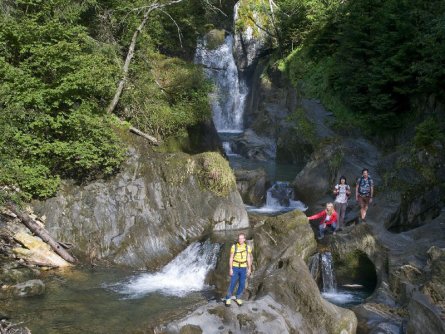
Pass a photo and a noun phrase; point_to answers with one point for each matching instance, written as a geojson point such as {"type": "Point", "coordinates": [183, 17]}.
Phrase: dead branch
{"type": "Point", "coordinates": [147, 10]}
{"type": "Point", "coordinates": [41, 233]}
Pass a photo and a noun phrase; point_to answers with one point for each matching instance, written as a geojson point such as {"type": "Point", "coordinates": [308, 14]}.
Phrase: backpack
{"type": "Point", "coordinates": [242, 251]}
{"type": "Point", "coordinates": [361, 181]}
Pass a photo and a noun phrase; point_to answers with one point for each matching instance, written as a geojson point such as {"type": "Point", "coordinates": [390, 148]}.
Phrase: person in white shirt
{"type": "Point", "coordinates": [341, 192]}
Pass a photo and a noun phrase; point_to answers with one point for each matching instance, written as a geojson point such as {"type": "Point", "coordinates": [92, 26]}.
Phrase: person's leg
{"type": "Point", "coordinates": [233, 280]}
{"type": "Point", "coordinates": [362, 203]}
{"type": "Point", "coordinates": [242, 282]}
{"type": "Point", "coordinates": [341, 222]}
{"type": "Point", "coordinates": [337, 207]}
{"type": "Point", "coordinates": [321, 230]}
{"type": "Point", "coordinates": [365, 208]}
{"type": "Point", "coordinates": [334, 228]}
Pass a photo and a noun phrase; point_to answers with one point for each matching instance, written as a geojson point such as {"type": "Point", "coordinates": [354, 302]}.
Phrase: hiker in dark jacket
{"type": "Point", "coordinates": [364, 192]}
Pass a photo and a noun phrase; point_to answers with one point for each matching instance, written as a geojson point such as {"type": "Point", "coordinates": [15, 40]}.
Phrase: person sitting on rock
{"type": "Point", "coordinates": [328, 220]}
{"type": "Point", "coordinates": [341, 192]}
{"type": "Point", "coordinates": [240, 265]}
{"type": "Point", "coordinates": [364, 192]}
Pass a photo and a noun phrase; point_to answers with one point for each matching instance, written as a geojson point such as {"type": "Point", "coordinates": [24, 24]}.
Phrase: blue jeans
{"type": "Point", "coordinates": [323, 230]}
{"type": "Point", "coordinates": [239, 274]}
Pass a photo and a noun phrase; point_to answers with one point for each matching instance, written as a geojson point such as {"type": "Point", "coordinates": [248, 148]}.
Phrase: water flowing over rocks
{"type": "Point", "coordinates": [150, 211]}
{"type": "Point", "coordinates": [283, 297]}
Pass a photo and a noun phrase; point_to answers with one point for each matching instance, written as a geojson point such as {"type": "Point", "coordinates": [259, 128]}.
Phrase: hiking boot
{"type": "Point", "coordinates": [239, 301]}
{"type": "Point", "coordinates": [228, 302]}
{"type": "Point", "coordinates": [334, 233]}
{"type": "Point", "coordinates": [319, 238]}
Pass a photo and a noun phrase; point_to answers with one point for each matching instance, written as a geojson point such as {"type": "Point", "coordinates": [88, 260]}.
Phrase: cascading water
{"type": "Point", "coordinates": [280, 198]}
{"type": "Point", "coordinates": [229, 95]}
{"type": "Point", "coordinates": [327, 273]}
{"type": "Point", "coordinates": [185, 274]}
{"type": "Point", "coordinates": [321, 266]}
{"type": "Point", "coordinates": [228, 149]}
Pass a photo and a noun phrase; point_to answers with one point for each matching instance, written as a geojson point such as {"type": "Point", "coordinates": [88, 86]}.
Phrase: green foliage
{"type": "Point", "coordinates": [164, 95]}
{"type": "Point", "coordinates": [55, 83]}
{"type": "Point", "coordinates": [303, 127]}
{"type": "Point", "coordinates": [368, 59]}
{"type": "Point", "coordinates": [60, 62]}
{"type": "Point", "coordinates": [428, 132]}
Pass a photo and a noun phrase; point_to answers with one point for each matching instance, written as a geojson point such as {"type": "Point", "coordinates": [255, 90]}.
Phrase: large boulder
{"type": "Point", "coordinates": [255, 147]}
{"type": "Point", "coordinates": [283, 296]}
{"type": "Point", "coordinates": [150, 211]}
{"type": "Point", "coordinates": [335, 158]}
{"type": "Point", "coordinates": [252, 185]}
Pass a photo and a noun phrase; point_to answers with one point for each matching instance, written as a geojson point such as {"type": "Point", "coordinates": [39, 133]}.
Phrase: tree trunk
{"type": "Point", "coordinates": [41, 233]}
{"type": "Point", "coordinates": [130, 55]}
{"type": "Point", "coordinates": [128, 59]}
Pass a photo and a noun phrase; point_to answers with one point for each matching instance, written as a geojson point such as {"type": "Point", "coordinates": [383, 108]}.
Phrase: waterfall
{"type": "Point", "coordinates": [327, 273]}
{"type": "Point", "coordinates": [280, 198]}
{"type": "Point", "coordinates": [228, 149]}
{"type": "Point", "coordinates": [321, 267]}
{"type": "Point", "coordinates": [322, 263]}
{"type": "Point", "coordinates": [185, 274]}
{"type": "Point", "coordinates": [229, 95]}
{"type": "Point", "coordinates": [314, 266]}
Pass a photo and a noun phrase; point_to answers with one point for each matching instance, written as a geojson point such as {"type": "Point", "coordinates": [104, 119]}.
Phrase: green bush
{"type": "Point", "coordinates": [164, 95]}
{"type": "Point", "coordinates": [56, 82]}
{"type": "Point", "coordinates": [428, 132]}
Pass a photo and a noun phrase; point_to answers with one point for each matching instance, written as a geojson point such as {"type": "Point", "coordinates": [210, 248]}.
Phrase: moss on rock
{"type": "Point", "coordinates": [215, 38]}
{"type": "Point", "coordinates": [214, 173]}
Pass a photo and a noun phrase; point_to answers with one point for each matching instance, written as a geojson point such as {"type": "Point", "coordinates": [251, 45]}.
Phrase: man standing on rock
{"type": "Point", "coordinates": [240, 265]}
{"type": "Point", "coordinates": [364, 192]}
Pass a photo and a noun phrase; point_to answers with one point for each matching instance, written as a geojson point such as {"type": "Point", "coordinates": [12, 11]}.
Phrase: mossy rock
{"type": "Point", "coordinates": [248, 9]}
{"type": "Point", "coordinates": [215, 38]}
{"type": "Point", "coordinates": [214, 173]}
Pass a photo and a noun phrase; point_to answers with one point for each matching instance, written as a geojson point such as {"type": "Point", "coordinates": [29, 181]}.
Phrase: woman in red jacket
{"type": "Point", "coordinates": [328, 219]}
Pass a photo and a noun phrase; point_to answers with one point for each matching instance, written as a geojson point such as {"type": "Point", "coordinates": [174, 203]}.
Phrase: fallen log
{"type": "Point", "coordinates": [41, 233]}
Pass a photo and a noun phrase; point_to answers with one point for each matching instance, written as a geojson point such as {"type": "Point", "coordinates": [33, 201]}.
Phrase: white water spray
{"type": "Point", "coordinates": [185, 274]}
{"type": "Point", "coordinates": [280, 198]}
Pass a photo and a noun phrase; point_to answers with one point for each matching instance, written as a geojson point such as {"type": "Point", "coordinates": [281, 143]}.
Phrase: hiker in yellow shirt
{"type": "Point", "coordinates": [240, 265]}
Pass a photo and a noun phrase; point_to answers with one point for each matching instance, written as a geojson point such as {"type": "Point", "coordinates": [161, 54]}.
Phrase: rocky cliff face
{"type": "Point", "coordinates": [150, 211]}
{"type": "Point", "coordinates": [405, 234]}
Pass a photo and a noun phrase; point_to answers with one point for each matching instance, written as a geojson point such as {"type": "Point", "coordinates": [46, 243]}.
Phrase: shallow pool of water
{"type": "Point", "coordinates": [346, 297]}
{"type": "Point", "coordinates": [77, 301]}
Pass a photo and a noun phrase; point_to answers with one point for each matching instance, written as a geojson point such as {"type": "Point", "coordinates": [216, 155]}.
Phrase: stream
{"type": "Point", "coordinates": [116, 300]}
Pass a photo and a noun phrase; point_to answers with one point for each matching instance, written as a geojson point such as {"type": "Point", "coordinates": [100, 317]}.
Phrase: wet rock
{"type": "Point", "coordinates": [149, 212]}
{"type": "Point", "coordinates": [283, 296]}
{"type": "Point", "coordinates": [7, 327]}
{"type": "Point", "coordinates": [254, 147]}
{"type": "Point", "coordinates": [190, 329]}
{"type": "Point", "coordinates": [379, 318]}
{"type": "Point", "coordinates": [346, 157]}
{"type": "Point", "coordinates": [250, 40]}
{"type": "Point", "coordinates": [252, 185]}
{"type": "Point", "coordinates": [26, 289]}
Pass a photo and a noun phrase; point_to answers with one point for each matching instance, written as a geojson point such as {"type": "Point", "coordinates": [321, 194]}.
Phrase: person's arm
{"type": "Point", "coordinates": [249, 263]}
{"type": "Point", "coordinates": [356, 192]}
{"type": "Point", "coordinates": [372, 193]}
{"type": "Point", "coordinates": [317, 215]}
{"type": "Point", "coordinates": [336, 190]}
{"type": "Point", "coordinates": [348, 190]}
{"type": "Point", "coordinates": [232, 254]}
{"type": "Point", "coordinates": [334, 218]}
